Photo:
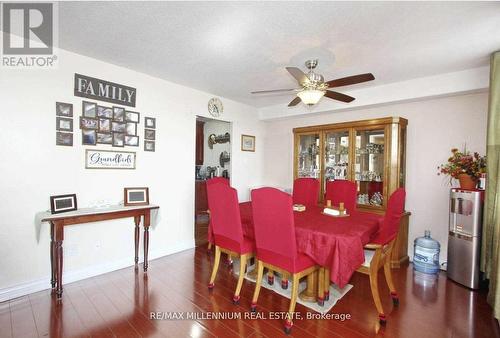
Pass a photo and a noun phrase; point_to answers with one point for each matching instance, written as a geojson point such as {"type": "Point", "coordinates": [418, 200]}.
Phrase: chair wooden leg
{"type": "Point", "coordinates": [293, 301]}
{"type": "Point", "coordinates": [258, 282]}
{"type": "Point", "coordinates": [215, 268]}
{"type": "Point", "coordinates": [376, 296]}
{"type": "Point", "coordinates": [243, 265]}
{"type": "Point", "coordinates": [284, 281]}
{"type": "Point", "coordinates": [321, 287]}
{"type": "Point", "coordinates": [390, 283]}
{"type": "Point", "coordinates": [270, 277]}
{"type": "Point", "coordinates": [327, 284]}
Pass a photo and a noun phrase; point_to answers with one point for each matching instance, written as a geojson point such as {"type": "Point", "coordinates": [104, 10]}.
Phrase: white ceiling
{"type": "Point", "coordinates": [230, 49]}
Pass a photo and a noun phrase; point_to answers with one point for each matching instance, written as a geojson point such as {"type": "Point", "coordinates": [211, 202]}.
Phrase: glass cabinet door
{"type": "Point", "coordinates": [308, 155]}
{"type": "Point", "coordinates": [369, 166]}
{"type": "Point", "coordinates": [336, 156]}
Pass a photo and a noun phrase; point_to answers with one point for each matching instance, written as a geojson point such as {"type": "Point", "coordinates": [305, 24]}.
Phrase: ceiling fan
{"type": "Point", "coordinates": [313, 86]}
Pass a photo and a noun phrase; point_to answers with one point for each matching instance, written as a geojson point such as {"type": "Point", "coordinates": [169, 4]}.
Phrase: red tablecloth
{"type": "Point", "coordinates": [333, 242]}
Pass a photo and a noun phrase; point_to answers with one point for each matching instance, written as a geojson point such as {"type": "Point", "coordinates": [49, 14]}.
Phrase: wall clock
{"type": "Point", "coordinates": [215, 107]}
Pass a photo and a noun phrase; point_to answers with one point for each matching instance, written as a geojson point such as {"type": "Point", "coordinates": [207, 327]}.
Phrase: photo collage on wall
{"type": "Point", "coordinates": [108, 125]}
{"type": "Point", "coordinates": [64, 124]}
{"type": "Point", "coordinates": [149, 133]}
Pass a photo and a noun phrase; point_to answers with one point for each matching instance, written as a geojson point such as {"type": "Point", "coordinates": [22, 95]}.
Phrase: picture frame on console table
{"type": "Point", "coordinates": [62, 203]}
{"type": "Point", "coordinates": [135, 196]}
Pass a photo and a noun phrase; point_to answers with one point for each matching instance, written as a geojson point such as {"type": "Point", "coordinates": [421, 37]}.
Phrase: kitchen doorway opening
{"type": "Point", "coordinates": [212, 159]}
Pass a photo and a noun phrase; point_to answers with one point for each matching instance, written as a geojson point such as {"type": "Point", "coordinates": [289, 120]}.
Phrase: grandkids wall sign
{"type": "Point", "coordinates": [97, 89]}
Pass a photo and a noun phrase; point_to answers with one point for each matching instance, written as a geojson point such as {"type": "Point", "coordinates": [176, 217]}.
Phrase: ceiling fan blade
{"type": "Point", "coordinates": [294, 102]}
{"type": "Point", "coordinates": [297, 74]}
{"type": "Point", "coordinates": [274, 91]}
{"type": "Point", "coordinates": [338, 96]}
{"type": "Point", "coordinates": [350, 80]}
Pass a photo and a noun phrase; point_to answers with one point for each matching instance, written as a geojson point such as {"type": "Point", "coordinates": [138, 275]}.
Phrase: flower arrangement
{"type": "Point", "coordinates": [463, 163]}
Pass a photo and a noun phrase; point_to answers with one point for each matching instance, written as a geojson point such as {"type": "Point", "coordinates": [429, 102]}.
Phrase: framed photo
{"type": "Point", "coordinates": [149, 145]}
{"type": "Point", "coordinates": [64, 139]}
{"type": "Point", "coordinates": [62, 203]}
{"type": "Point", "coordinates": [149, 134]}
{"type": "Point", "coordinates": [131, 116]}
{"type": "Point", "coordinates": [135, 196]}
{"type": "Point", "coordinates": [104, 125]}
{"type": "Point", "coordinates": [150, 122]}
{"type": "Point", "coordinates": [64, 124]}
{"type": "Point", "coordinates": [89, 109]}
{"type": "Point", "coordinates": [132, 140]}
{"type": "Point", "coordinates": [64, 109]}
{"type": "Point", "coordinates": [105, 112]}
{"type": "Point", "coordinates": [118, 139]}
{"type": "Point", "coordinates": [247, 143]}
{"type": "Point", "coordinates": [118, 114]}
{"type": "Point", "coordinates": [109, 159]}
{"type": "Point", "coordinates": [131, 129]}
{"type": "Point", "coordinates": [118, 127]}
{"type": "Point", "coordinates": [105, 138]}
{"type": "Point", "coordinates": [89, 137]}
{"type": "Point", "coordinates": [88, 123]}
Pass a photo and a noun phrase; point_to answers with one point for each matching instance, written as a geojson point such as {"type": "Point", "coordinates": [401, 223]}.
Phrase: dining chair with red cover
{"type": "Point", "coordinates": [276, 246]}
{"type": "Point", "coordinates": [305, 191]}
{"type": "Point", "coordinates": [378, 251]}
{"type": "Point", "coordinates": [210, 235]}
{"type": "Point", "coordinates": [342, 191]}
{"type": "Point", "coordinates": [228, 232]}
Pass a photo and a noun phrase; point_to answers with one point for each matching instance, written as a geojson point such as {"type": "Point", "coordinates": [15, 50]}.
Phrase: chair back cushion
{"type": "Point", "coordinates": [225, 216]}
{"type": "Point", "coordinates": [217, 180]}
{"type": "Point", "coordinates": [274, 223]}
{"type": "Point", "coordinates": [342, 191]}
{"type": "Point", "coordinates": [305, 191]}
{"type": "Point", "coordinates": [389, 227]}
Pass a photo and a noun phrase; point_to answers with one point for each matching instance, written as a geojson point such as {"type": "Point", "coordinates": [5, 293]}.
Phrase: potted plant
{"type": "Point", "coordinates": [465, 167]}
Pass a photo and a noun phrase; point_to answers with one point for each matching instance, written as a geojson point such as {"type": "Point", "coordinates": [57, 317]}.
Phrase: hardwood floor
{"type": "Point", "coordinates": [120, 303]}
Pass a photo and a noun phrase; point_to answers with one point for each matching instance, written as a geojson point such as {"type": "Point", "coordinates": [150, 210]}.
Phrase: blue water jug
{"type": "Point", "coordinates": [426, 254]}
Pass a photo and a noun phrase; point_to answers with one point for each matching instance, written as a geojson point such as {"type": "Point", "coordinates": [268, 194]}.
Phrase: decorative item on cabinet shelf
{"type": "Point", "coordinates": [464, 167]}
{"type": "Point", "coordinates": [224, 158]}
{"type": "Point", "coordinates": [218, 139]}
{"type": "Point", "coordinates": [135, 196]}
{"type": "Point", "coordinates": [62, 203]}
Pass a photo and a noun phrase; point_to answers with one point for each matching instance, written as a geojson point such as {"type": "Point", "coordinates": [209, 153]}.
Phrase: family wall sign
{"type": "Point", "coordinates": [97, 89]}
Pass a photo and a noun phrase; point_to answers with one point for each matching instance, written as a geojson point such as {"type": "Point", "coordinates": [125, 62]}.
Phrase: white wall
{"type": "Point", "coordinates": [33, 168]}
{"type": "Point", "coordinates": [211, 155]}
{"type": "Point", "coordinates": [434, 127]}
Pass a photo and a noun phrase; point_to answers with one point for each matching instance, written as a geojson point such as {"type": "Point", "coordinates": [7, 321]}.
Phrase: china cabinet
{"type": "Point", "coordinates": [370, 153]}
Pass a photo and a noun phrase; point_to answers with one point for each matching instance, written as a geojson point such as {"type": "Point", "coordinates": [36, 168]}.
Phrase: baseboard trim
{"type": "Point", "coordinates": [26, 288]}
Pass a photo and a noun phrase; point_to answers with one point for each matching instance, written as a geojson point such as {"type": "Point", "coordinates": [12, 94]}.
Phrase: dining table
{"type": "Point", "coordinates": [335, 243]}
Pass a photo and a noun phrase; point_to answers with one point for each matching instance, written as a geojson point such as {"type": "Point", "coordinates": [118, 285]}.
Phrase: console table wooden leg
{"type": "Point", "coordinates": [59, 236]}
{"type": "Point", "coordinates": [59, 255]}
{"type": "Point", "coordinates": [146, 239]}
{"type": "Point", "coordinates": [137, 220]}
{"type": "Point", "coordinates": [52, 257]}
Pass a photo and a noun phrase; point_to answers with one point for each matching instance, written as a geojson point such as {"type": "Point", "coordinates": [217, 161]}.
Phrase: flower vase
{"type": "Point", "coordinates": [467, 182]}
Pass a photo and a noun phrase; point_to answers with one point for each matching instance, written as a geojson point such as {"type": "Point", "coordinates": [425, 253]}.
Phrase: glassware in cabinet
{"type": "Point", "coordinates": [308, 155]}
{"type": "Point", "coordinates": [369, 168]}
{"type": "Point", "coordinates": [336, 158]}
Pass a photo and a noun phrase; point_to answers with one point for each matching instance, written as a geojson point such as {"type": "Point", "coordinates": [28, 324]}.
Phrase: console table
{"type": "Point", "coordinates": [59, 221]}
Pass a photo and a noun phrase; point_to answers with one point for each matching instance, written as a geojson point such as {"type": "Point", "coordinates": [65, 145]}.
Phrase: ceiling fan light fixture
{"type": "Point", "coordinates": [311, 96]}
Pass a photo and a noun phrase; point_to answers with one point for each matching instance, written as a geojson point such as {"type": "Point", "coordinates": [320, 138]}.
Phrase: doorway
{"type": "Point", "coordinates": [212, 159]}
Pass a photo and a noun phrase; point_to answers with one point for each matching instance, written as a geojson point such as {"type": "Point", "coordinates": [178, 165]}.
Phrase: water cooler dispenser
{"type": "Point", "coordinates": [464, 237]}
